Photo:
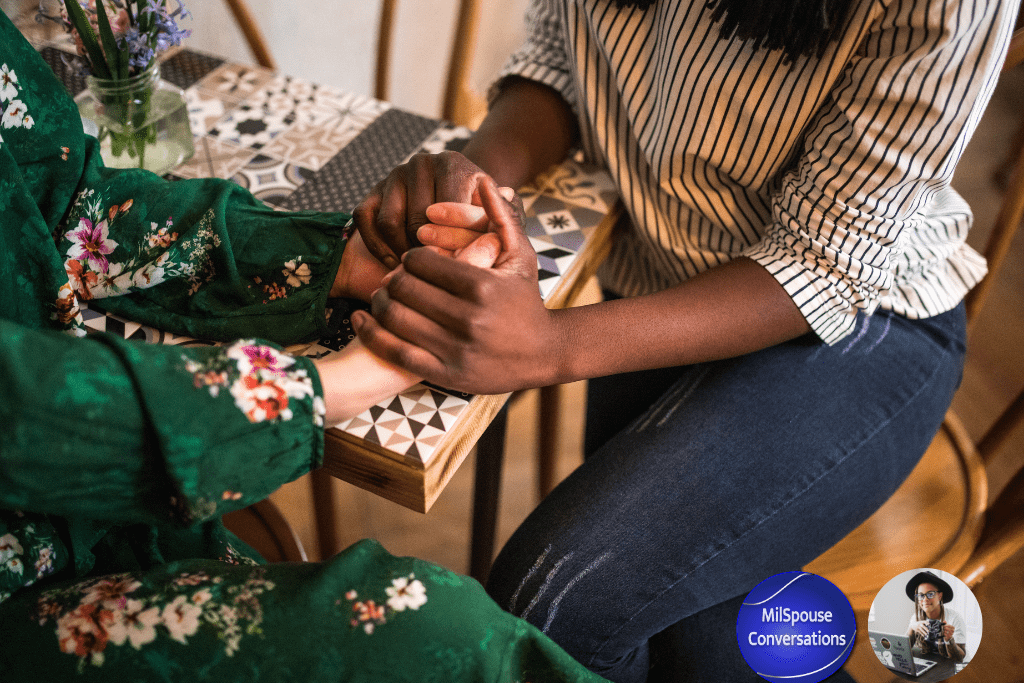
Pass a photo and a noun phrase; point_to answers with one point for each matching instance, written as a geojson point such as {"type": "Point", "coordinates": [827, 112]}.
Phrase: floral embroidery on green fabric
{"type": "Point", "coordinates": [93, 271]}
{"type": "Point", "coordinates": [12, 556]}
{"type": "Point", "coordinates": [260, 378]}
{"type": "Point", "coordinates": [67, 312]}
{"type": "Point", "coordinates": [295, 274]}
{"type": "Point", "coordinates": [15, 113]}
{"type": "Point", "coordinates": [405, 592]}
{"type": "Point", "coordinates": [92, 615]}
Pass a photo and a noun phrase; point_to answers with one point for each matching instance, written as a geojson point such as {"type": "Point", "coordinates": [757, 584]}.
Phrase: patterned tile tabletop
{"type": "Point", "coordinates": [299, 145]}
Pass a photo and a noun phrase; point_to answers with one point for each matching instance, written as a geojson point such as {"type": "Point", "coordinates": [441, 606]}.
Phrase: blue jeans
{"type": "Point", "coordinates": [701, 481]}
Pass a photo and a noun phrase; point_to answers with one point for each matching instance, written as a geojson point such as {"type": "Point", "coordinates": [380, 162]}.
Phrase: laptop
{"type": "Point", "coordinates": [893, 650]}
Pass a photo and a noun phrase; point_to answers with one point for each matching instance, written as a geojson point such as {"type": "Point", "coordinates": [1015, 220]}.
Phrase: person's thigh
{"type": "Point", "coordinates": [742, 469]}
{"type": "Point", "coordinates": [362, 616]}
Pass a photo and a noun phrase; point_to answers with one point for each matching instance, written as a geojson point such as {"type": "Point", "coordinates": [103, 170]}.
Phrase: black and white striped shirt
{"type": "Point", "coordinates": [832, 172]}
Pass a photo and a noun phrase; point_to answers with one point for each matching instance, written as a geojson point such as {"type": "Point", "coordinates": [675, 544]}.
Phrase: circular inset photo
{"type": "Point", "coordinates": [925, 625]}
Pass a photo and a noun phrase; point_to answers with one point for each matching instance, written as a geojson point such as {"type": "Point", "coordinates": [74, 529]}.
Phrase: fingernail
{"type": "Point", "coordinates": [357, 320]}
{"type": "Point", "coordinates": [391, 262]}
{"type": "Point", "coordinates": [425, 234]}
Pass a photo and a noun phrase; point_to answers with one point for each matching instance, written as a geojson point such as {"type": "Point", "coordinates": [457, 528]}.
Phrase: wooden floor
{"type": "Point", "coordinates": [995, 372]}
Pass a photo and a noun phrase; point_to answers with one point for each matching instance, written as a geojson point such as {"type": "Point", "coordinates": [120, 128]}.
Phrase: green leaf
{"type": "Point", "coordinates": [109, 42]}
{"type": "Point", "coordinates": [81, 23]}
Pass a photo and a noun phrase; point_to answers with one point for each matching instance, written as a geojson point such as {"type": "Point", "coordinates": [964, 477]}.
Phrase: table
{"type": "Point", "coordinates": [298, 145]}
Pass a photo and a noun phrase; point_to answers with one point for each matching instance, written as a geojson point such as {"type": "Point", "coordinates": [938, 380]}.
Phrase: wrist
{"type": "Point", "coordinates": [359, 273]}
{"type": "Point", "coordinates": [528, 128]}
{"type": "Point", "coordinates": [559, 353]}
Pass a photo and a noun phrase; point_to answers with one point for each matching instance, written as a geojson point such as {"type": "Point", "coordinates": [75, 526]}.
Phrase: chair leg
{"type": "Point", "coordinates": [490, 455]}
{"type": "Point", "coordinates": [322, 491]}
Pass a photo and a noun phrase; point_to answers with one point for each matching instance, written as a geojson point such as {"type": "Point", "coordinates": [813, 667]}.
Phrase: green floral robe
{"type": "Point", "coordinates": [117, 459]}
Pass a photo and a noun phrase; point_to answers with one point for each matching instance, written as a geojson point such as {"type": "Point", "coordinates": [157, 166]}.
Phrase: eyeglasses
{"type": "Point", "coordinates": [927, 596]}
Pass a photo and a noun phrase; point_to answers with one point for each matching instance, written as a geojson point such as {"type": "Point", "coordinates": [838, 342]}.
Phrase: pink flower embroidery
{"type": "Point", "coordinates": [263, 360]}
{"type": "Point", "coordinates": [91, 242]}
{"type": "Point", "coordinates": [110, 592]}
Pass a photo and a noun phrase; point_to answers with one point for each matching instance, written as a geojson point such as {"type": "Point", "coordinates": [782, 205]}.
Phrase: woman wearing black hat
{"type": "Point", "coordinates": [934, 626]}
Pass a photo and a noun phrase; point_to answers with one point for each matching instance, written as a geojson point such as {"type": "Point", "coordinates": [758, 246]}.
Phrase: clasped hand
{"type": "Point", "coordinates": [483, 331]}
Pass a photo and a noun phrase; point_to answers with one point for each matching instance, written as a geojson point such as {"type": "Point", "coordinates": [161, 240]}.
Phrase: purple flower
{"type": "Point", "coordinates": [89, 242]}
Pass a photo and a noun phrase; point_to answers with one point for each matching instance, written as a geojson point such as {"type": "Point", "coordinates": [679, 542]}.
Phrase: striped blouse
{"type": "Point", "coordinates": [833, 173]}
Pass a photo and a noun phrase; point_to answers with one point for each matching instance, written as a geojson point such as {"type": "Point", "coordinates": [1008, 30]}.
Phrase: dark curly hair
{"type": "Point", "coordinates": [796, 27]}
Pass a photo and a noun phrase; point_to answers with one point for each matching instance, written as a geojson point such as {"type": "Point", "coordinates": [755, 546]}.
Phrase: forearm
{"type": "Point", "coordinates": [528, 128]}
{"type": "Point", "coordinates": [727, 311]}
{"type": "Point", "coordinates": [952, 650]}
{"type": "Point", "coordinates": [355, 379]}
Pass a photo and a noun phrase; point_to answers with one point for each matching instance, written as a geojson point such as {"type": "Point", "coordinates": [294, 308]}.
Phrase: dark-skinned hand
{"type": "Point", "coordinates": [484, 331]}
{"type": "Point", "coordinates": [395, 209]}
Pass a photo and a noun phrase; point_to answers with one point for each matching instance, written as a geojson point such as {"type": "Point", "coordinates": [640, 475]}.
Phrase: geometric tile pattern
{"type": "Point", "coordinates": [234, 82]}
{"type": "Point", "coordinates": [271, 180]}
{"type": "Point", "coordinates": [412, 423]}
{"type": "Point", "coordinates": [204, 110]}
{"type": "Point", "coordinates": [297, 145]}
{"type": "Point", "coordinates": [186, 67]}
{"type": "Point", "coordinates": [323, 126]}
{"type": "Point", "coordinates": [251, 126]}
{"type": "Point", "coordinates": [215, 158]}
{"type": "Point", "coordinates": [344, 180]}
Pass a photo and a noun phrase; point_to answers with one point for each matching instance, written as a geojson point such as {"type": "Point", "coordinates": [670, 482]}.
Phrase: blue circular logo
{"type": "Point", "coordinates": [797, 627]}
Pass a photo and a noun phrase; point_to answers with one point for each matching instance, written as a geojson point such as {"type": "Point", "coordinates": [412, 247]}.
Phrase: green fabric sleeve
{"type": "Point", "coordinates": [107, 429]}
{"type": "Point", "coordinates": [202, 258]}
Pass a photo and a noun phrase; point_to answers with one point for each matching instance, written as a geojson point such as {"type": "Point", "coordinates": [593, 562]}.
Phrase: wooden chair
{"type": "Point", "coordinates": [460, 104]}
{"type": "Point", "coordinates": [265, 530]}
{"type": "Point", "coordinates": [950, 476]}
{"type": "Point", "coordinates": [941, 516]}
{"type": "Point", "coordinates": [251, 32]}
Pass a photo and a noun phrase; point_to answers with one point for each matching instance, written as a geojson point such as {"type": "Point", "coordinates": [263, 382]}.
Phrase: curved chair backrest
{"type": "Point", "coordinates": [1003, 533]}
{"type": "Point", "coordinates": [264, 529]}
{"type": "Point", "coordinates": [456, 105]}
{"type": "Point", "coordinates": [246, 21]}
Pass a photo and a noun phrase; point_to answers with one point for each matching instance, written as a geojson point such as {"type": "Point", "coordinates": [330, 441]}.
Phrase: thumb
{"type": "Point", "coordinates": [505, 220]}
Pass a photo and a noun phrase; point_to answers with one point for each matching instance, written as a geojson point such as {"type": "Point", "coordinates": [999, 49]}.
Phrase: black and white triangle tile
{"type": "Point", "coordinates": [412, 424]}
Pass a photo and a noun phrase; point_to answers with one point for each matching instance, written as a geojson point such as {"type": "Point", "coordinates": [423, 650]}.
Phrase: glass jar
{"type": "Point", "coordinates": [141, 122]}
